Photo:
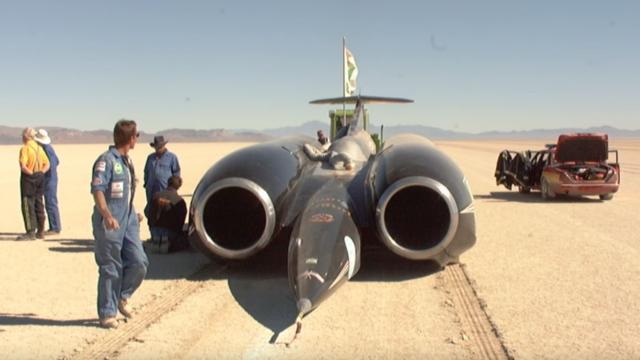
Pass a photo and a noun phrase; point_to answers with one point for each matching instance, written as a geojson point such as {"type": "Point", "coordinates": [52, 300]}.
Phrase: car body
{"type": "Point", "coordinates": [408, 196]}
{"type": "Point", "coordinates": [577, 165]}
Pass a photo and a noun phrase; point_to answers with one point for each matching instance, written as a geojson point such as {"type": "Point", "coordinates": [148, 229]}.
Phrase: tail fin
{"type": "Point", "coordinates": [358, 122]}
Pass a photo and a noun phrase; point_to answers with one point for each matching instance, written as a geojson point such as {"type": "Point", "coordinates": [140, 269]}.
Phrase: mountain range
{"type": "Point", "coordinates": [60, 135]}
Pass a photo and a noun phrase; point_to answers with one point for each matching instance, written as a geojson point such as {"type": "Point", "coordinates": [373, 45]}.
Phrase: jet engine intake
{"type": "Point", "coordinates": [417, 217]}
{"type": "Point", "coordinates": [235, 218]}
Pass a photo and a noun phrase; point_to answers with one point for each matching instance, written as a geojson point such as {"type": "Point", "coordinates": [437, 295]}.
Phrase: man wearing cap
{"type": "Point", "coordinates": [160, 166]}
{"type": "Point", "coordinates": [33, 164]}
{"type": "Point", "coordinates": [122, 262]}
{"type": "Point", "coordinates": [50, 183]}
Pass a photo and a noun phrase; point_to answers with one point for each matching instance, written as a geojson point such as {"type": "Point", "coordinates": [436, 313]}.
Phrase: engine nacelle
{"type": "Point", "coordinates": [234, 208]}
{"type": "Point", "coordinates": [424, 207]}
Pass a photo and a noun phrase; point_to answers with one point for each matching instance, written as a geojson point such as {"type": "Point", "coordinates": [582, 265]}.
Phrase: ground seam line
{"type": "Point", "coordinates": [473, 315]}
{"type": "Point", "coordinates": [151, 313]}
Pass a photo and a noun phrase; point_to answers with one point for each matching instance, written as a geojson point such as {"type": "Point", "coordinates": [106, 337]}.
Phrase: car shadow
{"type": "Point", "coordinates": [533, 197]}
{"type": "Point", "coordinates": [379, 264]}
{"type": "Point", "coordinates": [267, 299]}
{"type": "Point", "coordinates": [261, 287]}
{"type": "Point", "coordinates": [186, 264]}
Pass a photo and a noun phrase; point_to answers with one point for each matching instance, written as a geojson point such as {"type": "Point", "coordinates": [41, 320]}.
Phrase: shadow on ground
{"type": "Point", "coordinates": [380, 264]}
{"type": "Point", "coordinates": [178, 265]}
{"type": "Point", "coordinates": [533, 197]}
{"type": "Point", "coordinates": [72, 245]}
{"type": "Point", "coordinates": [10, 236]}
{"type": "Point", "coordinates": [261, 287]}
{"type": "Point", "coordinates": [33, 319]}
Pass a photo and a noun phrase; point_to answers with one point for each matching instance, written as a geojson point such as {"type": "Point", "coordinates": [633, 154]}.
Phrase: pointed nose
{"type": "Point", "coordinates": [324, 247]}
{"type": "Point", "coordinates": [304, 305]}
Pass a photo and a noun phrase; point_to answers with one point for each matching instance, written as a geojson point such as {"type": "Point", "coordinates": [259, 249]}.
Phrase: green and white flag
{"type": "Point", "coordinates": [350, 73]}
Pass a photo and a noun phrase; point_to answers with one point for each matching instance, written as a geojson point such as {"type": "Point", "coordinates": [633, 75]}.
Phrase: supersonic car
{"type": "Point", "coordinates": [577, 165]}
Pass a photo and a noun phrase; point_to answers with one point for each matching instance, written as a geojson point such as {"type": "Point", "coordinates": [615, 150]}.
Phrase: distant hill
{"type": "Point", "coordinates": [436, 133]}
{"type": "Point", "coordinates": [191, 135]}
{"type": "Point", "coordinates": [553, 133]}
{"type": "Point", "coordinates": [12, 135]}
{"type": "Point", "coordinates": [309, 128]}
{"type": "Point", "coordinates": [426, 131]}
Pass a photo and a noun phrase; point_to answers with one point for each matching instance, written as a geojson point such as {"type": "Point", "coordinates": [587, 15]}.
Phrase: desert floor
{"type": "Point", "coordinates": [557, 280]}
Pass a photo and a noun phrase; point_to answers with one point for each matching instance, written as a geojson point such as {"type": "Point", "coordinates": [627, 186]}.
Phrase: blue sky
{"type": "Point", "coordinates": [469, 65]}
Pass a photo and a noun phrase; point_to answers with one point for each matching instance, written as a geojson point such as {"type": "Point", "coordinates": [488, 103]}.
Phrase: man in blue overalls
{"type": "Point", "coordinates": [116, 226]}
{"type": "Point", "coordinates": [50, 183]}
{"type": "Point", "coordinates": [160, 166]}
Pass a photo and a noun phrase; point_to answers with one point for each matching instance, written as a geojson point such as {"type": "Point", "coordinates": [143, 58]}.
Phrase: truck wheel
{"type": "Point", "coordinates": [606, 196]}
{"type": "Point", "coordinates": [545, 189]}
{"type": "Point", "coordinates": [524, 189]}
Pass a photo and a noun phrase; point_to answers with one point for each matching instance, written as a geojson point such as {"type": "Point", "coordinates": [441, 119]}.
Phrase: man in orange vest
{"type": "Point", "coordinates": [33, 164]}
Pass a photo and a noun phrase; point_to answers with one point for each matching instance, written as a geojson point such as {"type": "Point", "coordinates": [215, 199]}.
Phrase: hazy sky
{"type": "Point", "coordinates": [469, 65]}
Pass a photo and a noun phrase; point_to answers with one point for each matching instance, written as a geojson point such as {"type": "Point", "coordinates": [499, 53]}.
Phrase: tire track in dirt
{"type": "Point", "coordinates": [108, 346]}
{"type": "Point", "coordinates": [483, 335]}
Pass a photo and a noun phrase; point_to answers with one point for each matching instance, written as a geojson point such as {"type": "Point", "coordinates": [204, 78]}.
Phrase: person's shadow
{"type": "Point", "coordinates": [72, 245]}
{"type": "Point", "coordinates": [9, 236]}
{"type": "Point", "coordinates": [32, 319]}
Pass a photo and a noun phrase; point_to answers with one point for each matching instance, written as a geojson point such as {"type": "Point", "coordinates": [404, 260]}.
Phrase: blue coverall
{"type": "Point", "coordinates": [119, 254]}
{"type": "Point", "coordinates": [51, 189]}
{"type": "Point", "coordinates": [157, 171]}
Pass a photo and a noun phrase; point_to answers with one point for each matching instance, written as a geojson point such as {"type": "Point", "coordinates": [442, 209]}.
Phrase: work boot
{"type": "Point", "coordinates": [52, 232]}
{"type": "Point", "coordinates": [125, 309]}
{"type": "Point", "coordinates": [27, 236]}
{"type": "Point", "coordinates": [40, 235]}
{"type": "Point", "coordinates": [109, 322]}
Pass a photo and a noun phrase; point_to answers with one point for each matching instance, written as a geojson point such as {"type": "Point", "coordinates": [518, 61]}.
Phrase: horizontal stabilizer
{"type": "Point", "coordinates": [363, 99]}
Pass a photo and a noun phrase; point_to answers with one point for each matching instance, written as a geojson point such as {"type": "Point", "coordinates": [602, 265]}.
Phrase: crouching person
{"type": "Point", "coordinates": [121, 259]}
{"type": "Point", "coordinates": [166, 217]}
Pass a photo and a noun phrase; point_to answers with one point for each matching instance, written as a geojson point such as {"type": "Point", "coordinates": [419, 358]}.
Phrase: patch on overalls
{"type": "Point", "coordinates": [117, 167]}
{"type": "Point", "coordinates": [101, 166]}
{"type": "Point", "coordinates": [117, 189]}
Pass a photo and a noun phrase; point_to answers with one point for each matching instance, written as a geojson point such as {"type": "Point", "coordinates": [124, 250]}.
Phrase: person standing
{"type": "Point", "coordinates": [50, 183]}
{"type": "Point", "coordinates": [119, 254]}
{"type": "Point", "coordinates": [33, 164]}
{"type": "Point", "coordinates": [159, 167]}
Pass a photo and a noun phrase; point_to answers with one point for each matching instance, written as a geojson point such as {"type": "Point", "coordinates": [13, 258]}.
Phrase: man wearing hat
{"type": "Point", "coordinates": [33, 164]}
{"type": "Point", "coordinates": [50, 183]}
{"type": "Point", "coordinates": [160, 166]}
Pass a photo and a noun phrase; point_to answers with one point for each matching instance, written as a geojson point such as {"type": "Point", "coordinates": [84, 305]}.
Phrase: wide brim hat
{"type": "Point", "coordinates": [158, 141]}
{"type": "Point", "coordinates": [42, 137]}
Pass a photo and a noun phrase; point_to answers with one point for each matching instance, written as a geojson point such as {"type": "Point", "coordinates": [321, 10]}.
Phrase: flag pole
{"type": "Point", "coordinates": [344, 80]}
